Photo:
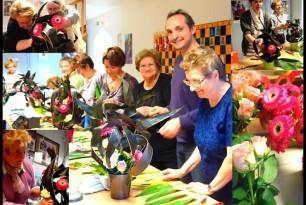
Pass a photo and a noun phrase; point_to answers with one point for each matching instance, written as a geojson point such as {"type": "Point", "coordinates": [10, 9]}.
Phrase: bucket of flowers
{"type": "Point", "coordinates": [65, 112]}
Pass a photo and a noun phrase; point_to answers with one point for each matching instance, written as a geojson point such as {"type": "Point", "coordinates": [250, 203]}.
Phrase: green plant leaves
{"type": "Point", "coordinates": [288, 64]}
{"type": "Point", "coordinates": [165, 194]}
{"type": "Point", "coordinates": [270, 169]}
{"type": "Point", "coordinates": [239, 193]}
{"type": "Point", "coordinates": [266, 198]}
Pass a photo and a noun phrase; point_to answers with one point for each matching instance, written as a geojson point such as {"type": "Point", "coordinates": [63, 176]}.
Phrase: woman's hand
{"type": "Point", "coordinates": [172, 174]}
{"type": "Point", "coordinates": [157, 110]}
{"type": "Point", "coordinates": [199, 188]}
{"type": "Point", "coordinates": [144, 110]}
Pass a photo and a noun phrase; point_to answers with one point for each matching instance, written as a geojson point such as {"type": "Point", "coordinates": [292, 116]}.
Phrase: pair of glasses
{"type": "Point", "coordinates": [196, 83]}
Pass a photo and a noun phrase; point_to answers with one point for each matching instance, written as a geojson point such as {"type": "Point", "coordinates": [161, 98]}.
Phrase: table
{"type": "Point", "coordinates": [255, 63]}
{"type": "Point", "coordinates": [150, 173]}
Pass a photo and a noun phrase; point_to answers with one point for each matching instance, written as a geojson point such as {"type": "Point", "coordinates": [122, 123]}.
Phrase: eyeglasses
{"type": "Point", "coordinates": [196, 83]}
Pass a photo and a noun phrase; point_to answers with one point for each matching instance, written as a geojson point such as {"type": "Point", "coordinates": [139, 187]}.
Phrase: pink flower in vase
{"type": "Point", "coordinates": [246, 108]}
{"type": "Point", "coordinates": [281, 129]}
{"type": "Point", "coordinates": [273, 97]}
{"type": "Point", "coordinates": [121, 166]}
{"type": "Point", "coordinates": [106, 131]}
{"type": "Point", "coordinates": [137, 155]}
{"type": "Point", "coordinates": [243, 157]}
{"type": "Point", "coordinates": [64, 109]}
{"type": "Point", "coordinates": [287, 107]}
{"type": "Point", "coordinates": [35, 94]}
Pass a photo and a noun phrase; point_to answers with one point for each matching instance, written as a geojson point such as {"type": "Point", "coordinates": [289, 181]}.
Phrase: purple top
{"type": "Point", "coordinates": [181, 96]}
{"type": "Point", "coordinates": [27, 177]}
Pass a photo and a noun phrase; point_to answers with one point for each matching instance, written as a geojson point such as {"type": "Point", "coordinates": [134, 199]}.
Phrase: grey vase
{"type": "Point", "coordinates": [120, 186]}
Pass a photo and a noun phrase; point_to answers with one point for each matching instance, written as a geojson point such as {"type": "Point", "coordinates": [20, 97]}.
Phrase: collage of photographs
{"type": "Point", "coordinates": [155, 102]}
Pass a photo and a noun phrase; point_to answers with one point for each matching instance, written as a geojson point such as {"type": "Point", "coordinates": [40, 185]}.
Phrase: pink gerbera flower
{"type": "Point", "coordinates": [63, 109]}
{"type": "Point", "coordinates": [273, 97]}
{"type": "Point", "coordinates": [35, 94]}
{"type": "Point", "coordinates": [287, 107]}
{"type": "Point", "coordinates": [281, 129]}
{"type": "Point", "coordinates": [292, 89]}
{"type": "Point", "coordinates": [106, 131]}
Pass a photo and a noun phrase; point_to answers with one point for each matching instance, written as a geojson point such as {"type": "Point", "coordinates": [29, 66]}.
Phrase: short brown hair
{"type": "Point", "coordinates": [115, 55]}
{"type": "Point", "coordinates": [53, 82]}
{"type": "Point", "coordinates": [189, 20]}
{"type": "Point", "coordinates": [148, 53]}
{"type": "Point", "coordinates": [10, 62]}
{"type": "Point", "coordinates": [83, 59]}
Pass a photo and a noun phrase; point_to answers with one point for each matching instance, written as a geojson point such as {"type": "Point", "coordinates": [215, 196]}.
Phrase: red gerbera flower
{"type": "Point", "coordinates": [287, 107]}
{"type": "Point", "coordinates": [63, 109]}
{"type": "Point", "coordinates": [292, 89]}
{"type": "Point", "coordinates": [299, 132]}
{"type": "Point", "coordinates": [281, 129]}
{"type": "Point", "coordinates": [273, 97]}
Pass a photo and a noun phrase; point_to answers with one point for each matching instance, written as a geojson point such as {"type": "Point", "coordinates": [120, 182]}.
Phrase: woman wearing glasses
{"type": "Point", "coordinates": [213, 130]}
{"type": "Point", "coordinates": [253, 23]}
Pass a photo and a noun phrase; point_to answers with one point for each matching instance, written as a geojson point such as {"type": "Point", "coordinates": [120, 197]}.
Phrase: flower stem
{"type": "Point", "coordinates": [251, 187]}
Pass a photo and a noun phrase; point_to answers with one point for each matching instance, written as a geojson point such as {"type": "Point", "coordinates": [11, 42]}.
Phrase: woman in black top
{"type": "Point", "coordinates": [158, 85]}
{"type": "Point", "coordinates": [253, 22]}
{"type": "Point", "coordinates": [17, 38]}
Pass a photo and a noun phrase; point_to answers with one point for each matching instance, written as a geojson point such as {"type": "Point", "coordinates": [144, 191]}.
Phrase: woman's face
{"type": "Point", "coordinates": [14, 155]}
{"type": "Point", "coordinates": [256, 5]}
{"type": "Point", "coordinates": [197, 82]}
{"type": "Point", "coordinates": [65, 67]}
{"type": "Point", "coordinates": [24, 22]}
{"type": "Point", "coordinates": [278, 7]}
{"type": "Point", "coordinates": [112, 71]}
{"type": "Point", "coordinates": [53, 8]}
{"type": "Point", "coordinates": [11, 69]}
{"type": "Point", "coordinates": [148, 68]}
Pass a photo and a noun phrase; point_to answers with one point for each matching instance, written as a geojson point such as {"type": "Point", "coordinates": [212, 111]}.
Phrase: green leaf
{"type": "Point", "coordinates": [181, 202]}
{"type": "Point", "coordinates": [235, 178]}
{"type": "Point", "coordinates": [166, 199]}
{"type": "Point", "coordinates": [270, 169]}
{"type": "Point", "coordinates": [239, 193]}
{"type": "Point", "coordinates": [98, 91]}
{"type": "Point", "coordinates": [152, 189]}
{"type": "Point", "coordinates": [162, 192]}
{"type": "Point", "coordinates": [273, 189]}
{"type": "Point", "coordinates": [266, 198]}
{"type": "Point", "coordinates": [244, 202]}
{"type": "Point", "coordinates": [79, 154]}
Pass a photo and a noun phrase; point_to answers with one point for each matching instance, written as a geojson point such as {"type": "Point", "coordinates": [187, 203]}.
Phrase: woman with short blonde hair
{"type": "Point", "coordinates": [18, 37]}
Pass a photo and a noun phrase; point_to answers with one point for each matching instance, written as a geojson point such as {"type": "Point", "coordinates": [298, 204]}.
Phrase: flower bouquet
{"type": "Point", "coordinates": [255, 169]}
{"type": "Point", "coordinates": [64, 111]}
{"type": "Point", "coordinates": [246, 94]}
{"type": "Point", "coordinates": [120, 144]}
{"type": "Point", "coordinates": [33, 92]}
{"type": "Point", "coordinates": [282, 111]}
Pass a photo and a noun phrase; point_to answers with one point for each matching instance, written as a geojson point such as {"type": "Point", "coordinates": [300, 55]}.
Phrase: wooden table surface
{"type": "Point", "coordinates": [151, 173]}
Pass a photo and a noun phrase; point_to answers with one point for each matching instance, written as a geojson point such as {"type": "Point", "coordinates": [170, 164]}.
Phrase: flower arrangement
{"type": "Point", "coordinates": [63, 108]}
{"type": "Point", "coordinates": [282, 110]}
{"type": "Point", "coordinates": [246, 94]}
{"type": "Point", "coordinates": [255, 169]}
{"type": "Point", "coordinates": [33, 92]}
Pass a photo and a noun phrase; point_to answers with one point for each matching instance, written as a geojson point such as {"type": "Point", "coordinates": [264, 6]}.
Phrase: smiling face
{"type": "Point", "coordinates": [179, 33]}
{"type": "Point", "coordinates": [14, 154]}
{"type": "Point", "coordinates": [278, 7]}
{"type": "Point", "coordinates": [197, 82]}
{"type": "Point", "coordinates": [53, 7]}
{"type": "Point", "coordinates": [148, 68]}
{"type": "Point", "coordinates": [65, 67]}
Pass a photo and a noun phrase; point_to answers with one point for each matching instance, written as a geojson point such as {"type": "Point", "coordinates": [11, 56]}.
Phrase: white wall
{"type": "Point", "coordinates": [143, 18]}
